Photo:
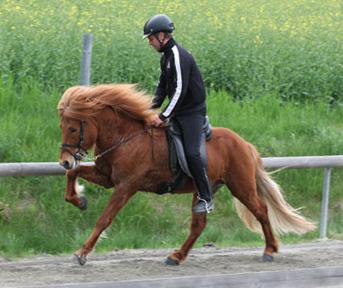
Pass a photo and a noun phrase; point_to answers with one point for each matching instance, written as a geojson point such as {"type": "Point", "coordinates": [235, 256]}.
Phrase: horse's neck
{"type": "Point", "coordinates": [112, 128]}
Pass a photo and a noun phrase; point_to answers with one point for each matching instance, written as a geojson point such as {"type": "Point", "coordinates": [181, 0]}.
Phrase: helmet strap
{"type": "Point", "coordinates": [159, 40]}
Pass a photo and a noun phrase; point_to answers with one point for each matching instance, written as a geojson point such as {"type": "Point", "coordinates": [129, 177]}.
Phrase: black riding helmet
{"type": "Point", "coordinates": [156, 24]}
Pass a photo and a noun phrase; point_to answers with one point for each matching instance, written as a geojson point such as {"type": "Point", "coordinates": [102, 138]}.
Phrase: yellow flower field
{"type": "Point", "coordinates": [42, 39]}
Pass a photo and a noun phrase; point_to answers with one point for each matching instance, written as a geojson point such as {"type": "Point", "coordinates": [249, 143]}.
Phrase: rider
{"type": "Point", "coordinates": [181, 81]}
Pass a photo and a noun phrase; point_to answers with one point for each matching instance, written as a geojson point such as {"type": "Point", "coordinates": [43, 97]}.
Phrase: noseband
{"type": "Point", "coordinates": [78, 155]}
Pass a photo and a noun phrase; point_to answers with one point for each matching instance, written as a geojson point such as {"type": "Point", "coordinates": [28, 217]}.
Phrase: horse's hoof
{"type": "Point", "coordinates": [267, 258]}
{"type": "Point", "coordinates": [171, 262]}
{"type": "Point", "coordinates": [84, 203]}
{"type": "Point", "coordinates": [79, 259]}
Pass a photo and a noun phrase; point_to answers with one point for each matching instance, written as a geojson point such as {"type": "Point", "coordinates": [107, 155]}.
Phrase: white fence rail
{"type": "Point", "coordinates": [327, 162]}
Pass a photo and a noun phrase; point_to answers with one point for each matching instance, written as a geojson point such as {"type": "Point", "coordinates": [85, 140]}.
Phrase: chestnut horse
{"type": "Point", "coordinates": [131, 157]}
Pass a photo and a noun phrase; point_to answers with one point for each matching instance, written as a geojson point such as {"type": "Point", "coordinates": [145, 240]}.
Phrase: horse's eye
{"type": "Point", "coordinates": [73, 130]}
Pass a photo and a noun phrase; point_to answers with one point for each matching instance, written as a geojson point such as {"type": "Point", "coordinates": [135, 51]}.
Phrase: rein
{"type": "Point", "coordinates": [78, 155]}
{"type": "Point", "coordinates": [126, 140]}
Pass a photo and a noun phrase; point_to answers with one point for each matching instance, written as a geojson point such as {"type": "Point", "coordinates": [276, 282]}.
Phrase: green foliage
{"type": "Point", "coordinates": [273, 71]}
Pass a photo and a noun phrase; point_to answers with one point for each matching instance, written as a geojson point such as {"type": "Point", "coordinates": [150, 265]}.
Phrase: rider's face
{"type": "Point", "coordinates": [154, 42]}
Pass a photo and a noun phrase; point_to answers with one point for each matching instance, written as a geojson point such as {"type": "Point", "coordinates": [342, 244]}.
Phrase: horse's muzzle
{"type": "Point", "coordinates": [69, 164]}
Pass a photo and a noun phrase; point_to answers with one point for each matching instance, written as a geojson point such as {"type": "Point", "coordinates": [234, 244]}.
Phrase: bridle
{"type": "Point", "coordinates": [78, 155]}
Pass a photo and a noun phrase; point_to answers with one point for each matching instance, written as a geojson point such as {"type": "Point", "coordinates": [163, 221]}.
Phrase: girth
{"type": "Point", "coordinates": [177, 157]}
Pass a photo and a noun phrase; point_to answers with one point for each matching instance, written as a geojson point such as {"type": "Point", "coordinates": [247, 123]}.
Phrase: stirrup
{"type": "Point", "coordinates": [203, 207]}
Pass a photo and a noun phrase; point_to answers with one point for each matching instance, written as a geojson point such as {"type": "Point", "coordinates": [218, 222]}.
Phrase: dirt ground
{"type": "Point", "coordinates": [149, 264]}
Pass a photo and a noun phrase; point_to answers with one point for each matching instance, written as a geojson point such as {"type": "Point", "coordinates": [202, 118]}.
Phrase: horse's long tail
{"type": "Point", "coordinates": [283, 217]}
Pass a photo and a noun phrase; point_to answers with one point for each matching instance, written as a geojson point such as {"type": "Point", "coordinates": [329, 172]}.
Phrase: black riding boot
{"type": "Point", "coordinates": [204, 203]}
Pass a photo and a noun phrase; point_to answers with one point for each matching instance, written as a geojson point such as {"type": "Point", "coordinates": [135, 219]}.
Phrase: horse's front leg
{"type": "Point", "coordinates": [73, 189]}
{"type": "Point", "coordinates": [117, 201]}
{"type": "Point", "coordinates": [198, 225]}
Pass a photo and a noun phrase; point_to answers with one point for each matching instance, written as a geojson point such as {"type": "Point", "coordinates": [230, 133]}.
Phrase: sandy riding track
{"type": "Point", "coordinates": [146, 264]}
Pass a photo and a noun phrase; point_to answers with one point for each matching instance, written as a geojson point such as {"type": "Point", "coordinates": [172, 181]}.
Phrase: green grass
{"type": "Point", "coordinates": [273, 72]}
{"type": "Point", "coordinates": [37, 220]}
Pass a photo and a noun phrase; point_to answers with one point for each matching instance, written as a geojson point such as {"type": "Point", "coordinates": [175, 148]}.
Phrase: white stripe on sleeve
{"type": "Point", "coordinates": [178, 89]}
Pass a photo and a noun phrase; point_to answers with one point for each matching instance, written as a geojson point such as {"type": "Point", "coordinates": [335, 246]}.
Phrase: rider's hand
{"type": "Point", "coordinates": [156, 121]}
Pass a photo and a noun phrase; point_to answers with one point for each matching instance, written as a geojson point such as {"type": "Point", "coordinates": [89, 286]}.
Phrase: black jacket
{"type": "Point", "coordinates": [181, 81]}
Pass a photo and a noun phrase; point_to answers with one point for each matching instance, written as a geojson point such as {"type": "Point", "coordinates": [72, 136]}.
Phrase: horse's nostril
{"type": "Point", "coordinates": [66, 164]}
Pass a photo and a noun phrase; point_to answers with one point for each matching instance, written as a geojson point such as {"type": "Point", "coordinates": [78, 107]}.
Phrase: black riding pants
{"type": "Point", "coordinates": [192, 126]}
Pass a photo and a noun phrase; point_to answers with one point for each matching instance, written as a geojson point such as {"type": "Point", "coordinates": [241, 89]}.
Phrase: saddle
{"type": "Point", "coordinates": [177, 157]}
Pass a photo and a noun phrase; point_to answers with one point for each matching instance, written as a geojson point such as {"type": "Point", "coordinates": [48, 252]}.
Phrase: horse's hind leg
{"type": "Point", "coordinates": [246, 192]}
{"type": "Point", "coordinates": [198, 224]}
{"type": "Point", "coordinates": [242, 185]}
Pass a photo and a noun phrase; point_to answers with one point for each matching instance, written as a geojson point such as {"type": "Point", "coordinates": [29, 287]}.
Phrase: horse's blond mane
{"type": "Point", "coordinates": [82, 102]}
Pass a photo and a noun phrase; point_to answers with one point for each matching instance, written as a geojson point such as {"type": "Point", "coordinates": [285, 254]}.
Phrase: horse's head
{"type": "Point", "coordinates": [81, 107]}
{"type": "Point", "coordinates": [77, 138]}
